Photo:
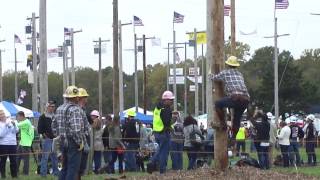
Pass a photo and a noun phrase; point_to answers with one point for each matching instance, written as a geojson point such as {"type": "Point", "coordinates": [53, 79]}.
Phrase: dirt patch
{"type": "Point", "coordinates": [236, 173]}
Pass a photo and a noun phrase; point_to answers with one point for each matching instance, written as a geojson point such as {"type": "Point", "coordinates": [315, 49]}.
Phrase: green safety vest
{"type": "Point", "coordinates": [157, 121]}
{"type": "Point", "coordinates": [241, 135]}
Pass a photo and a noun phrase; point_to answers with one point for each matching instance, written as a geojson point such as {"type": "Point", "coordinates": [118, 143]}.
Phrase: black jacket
{"type": "Point", "coordinates": [105, 137]}
{"type": "Point", "coordinates": [44, 126]}
{"type": "Point", "coordinates": [130, 132]}
{"type": "Point", "coordinates": [296, 132]}
{"type": "Point", "coordinates": [263, 130]}
{"type": "Point", "coordinates": [166, 115]}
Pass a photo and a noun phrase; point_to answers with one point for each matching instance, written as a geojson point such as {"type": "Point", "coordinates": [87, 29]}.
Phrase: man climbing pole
{"type": "Point", "coordinates": [237, 96]}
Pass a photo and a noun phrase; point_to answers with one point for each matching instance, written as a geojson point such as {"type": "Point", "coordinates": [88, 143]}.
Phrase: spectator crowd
{"type": "Point", "coordinates": [69, 134]}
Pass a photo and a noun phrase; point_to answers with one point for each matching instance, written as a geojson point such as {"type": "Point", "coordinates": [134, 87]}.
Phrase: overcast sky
{"type": "Point", "coordinates": [94, 17]}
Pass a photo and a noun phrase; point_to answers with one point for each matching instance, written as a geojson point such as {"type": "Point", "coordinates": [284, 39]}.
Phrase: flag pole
{"type": "Point", "coordinates": [136, 98]}
{"type": "Point", "coordinates": [15, 73]}
{"type": "Point", "coordinates": [276, 85]}
{"type": "Point", "coordinates": [174, 70]}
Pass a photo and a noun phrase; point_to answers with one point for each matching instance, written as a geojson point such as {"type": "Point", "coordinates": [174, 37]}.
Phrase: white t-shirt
{"type": "Point", "coordinates": [8, 133]}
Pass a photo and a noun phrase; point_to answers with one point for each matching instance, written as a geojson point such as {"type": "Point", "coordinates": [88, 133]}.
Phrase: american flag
{"type": "Point", "coordinates": [67, 31]}
{"type": "Point", "coordinates": [17, 39]}
{"type": "Point", "coordinates": [177, 18]}
{"type": "Point", "coordinates": [137, 21]}
{"type": "Point", "coordinates": [227, 9]}
{"type": "Point", "coordinates": [282, 4]}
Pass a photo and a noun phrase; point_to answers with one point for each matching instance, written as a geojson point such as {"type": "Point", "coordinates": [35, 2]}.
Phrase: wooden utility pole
{"type": "Point", "coordinates": [136, 94]}
{"type": "Point", "coordinates": [43, 55]}
{"type": "Point", "coordinates": [15, 75]}
{"type": "Point", "coordinates": [115, 60]}
{"type": "Point", "coordinates": [1, 88]}
{"type": "Point", "coordinates": [100, 82]}
{"type": "Point", "coordinates": [144, 75]}
{"type": "Point", "coordinates": [196, 93]}
{"type": "Point", "coordinates": [203, 100]}
{"type": "Point", "coordinates": [1, 92]}
{"type": "Point", "coordinates": [99, 42]}
{"type": "Point", "coordinates": [34, 64]}
{"type": "Point", "coordinates": [233, 28]}
{"type": "Point", "coordinates": [216, 48]}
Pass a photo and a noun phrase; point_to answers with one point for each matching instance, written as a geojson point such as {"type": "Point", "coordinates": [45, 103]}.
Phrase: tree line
{"type": "Point", "coordinates": [299, 80]}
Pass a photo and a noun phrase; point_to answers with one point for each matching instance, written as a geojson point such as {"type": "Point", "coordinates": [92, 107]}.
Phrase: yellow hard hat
{"type": "Point", "coordinates": [233, 61]}
{"type": "Point", "coordinates": [71, 92]}
{"type": "Point", "coordinates": [30, 57]}
{"type": "Point", "coordinates": [83, 93]}
{"type": "Point", "coordinates": [131, 112]}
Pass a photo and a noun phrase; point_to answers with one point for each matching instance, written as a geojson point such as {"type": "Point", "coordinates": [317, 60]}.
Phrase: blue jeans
{"type": "Point", "coordinates": [294, 152]}
{"type": "Point", "coordinates": [83, 163]}
{"type": "Point", "coordinates": [210, 150]}
{"type": "Point", "coordinates": [24, 150]}
{"type": "Point", "coordinates": [107, 156]}
{"type": "Point", "coordinates": [176, 155]}
{"type": "Point", "coordinates": [238, 106]}
{"type": "Point", "coordinates": [115, 156]}
{"type": "Point", "coordinates": [192, 156]}
{"type": "Point", "coordinates": [11, 151]}
{"type": "Point", "coordinates": [97, 155]}
{"type": "Point", "coordinates": [285, 154]}
{"type": "Point", "coordinates": [71, 161]}
{"type": "Point", "coordinates": [130, 156]}
{"type": "Point", "coordinates": [263, 156]}
{"type": "Point", "coordinates": [162, 153]}
{"type": "Point", "coordinates": [46, 153]}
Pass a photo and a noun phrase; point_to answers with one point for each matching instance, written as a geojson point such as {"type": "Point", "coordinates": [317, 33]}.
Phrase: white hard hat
{"type": "Point", "coordinates": [293, 119]}
{"type": "Point", "coordinates": [167, 95]}
{"type": "Point", "coordinates": [269, 114]}
{"type": "Point", "coordinates": [311, 117]}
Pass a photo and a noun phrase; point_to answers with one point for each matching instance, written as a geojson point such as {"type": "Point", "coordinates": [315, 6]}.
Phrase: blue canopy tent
{"type": "Point", "coordinates": [11, 110]}
{"type": "Point", "coordinates": [144, 118]}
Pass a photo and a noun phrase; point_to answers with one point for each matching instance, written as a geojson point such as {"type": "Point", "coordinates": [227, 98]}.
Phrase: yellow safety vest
{"type": "Point", "coordinates": [241, 135]}
{"type": "Point", "coordinates": [157, 121]}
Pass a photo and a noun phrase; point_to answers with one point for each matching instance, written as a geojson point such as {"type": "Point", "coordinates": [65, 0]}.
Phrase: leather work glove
{"type": "Point", "coordinates": [81, 146]}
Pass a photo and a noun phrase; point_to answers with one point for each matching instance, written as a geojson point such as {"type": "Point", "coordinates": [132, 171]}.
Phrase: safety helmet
{"type": "Point", "coordinates": [293, 119]}
{"type": "Point", "coordinates": [311, 117]}
{"type": "Point", "coordinates": [233, 61]}
{"type": "Point", "coordinates": [131, 113]}
{"type": "Point", "coordinates": [269, 115]}
{"type": "Point", "coordinates": [95, 113]}
{"type": "Point", "coordinates": [286, 115]}
{"type": "Point", "coordinates": [83, 93]}
{"type": "Point", "coordinates": [71, 92]}
{"type": "Point", "coordinates": [167, 95]}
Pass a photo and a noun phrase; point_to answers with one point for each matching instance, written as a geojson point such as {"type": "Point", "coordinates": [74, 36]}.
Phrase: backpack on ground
{"type": "Point", "coordinates": [248, 161]}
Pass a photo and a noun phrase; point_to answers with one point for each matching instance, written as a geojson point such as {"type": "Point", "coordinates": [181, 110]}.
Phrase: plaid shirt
{"type": "Point", "coordinates": [233, 82]}
{"type": "Point", "coordinates": [72, 125]}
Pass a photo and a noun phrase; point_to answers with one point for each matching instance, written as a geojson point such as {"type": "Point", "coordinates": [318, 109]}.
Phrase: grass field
{"type": "Point", "coordinates": [313, 171]}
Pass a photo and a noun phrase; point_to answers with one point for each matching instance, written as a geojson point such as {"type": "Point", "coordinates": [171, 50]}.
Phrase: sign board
{"type": "Point", "coordinates": [192, 73]}
{"type": "Point", "coordinates": [179, 80]}
{"type": "Point", "coordinates": [192, 79]}
{"type": "Point", "coordinates": [30, 77]}
{"type": "Point", "coordinates": [192, 88]}
{"type": "Point", "coordinates": [179, 72]}
{"type": "Point", "coordinates": [54, 52]}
